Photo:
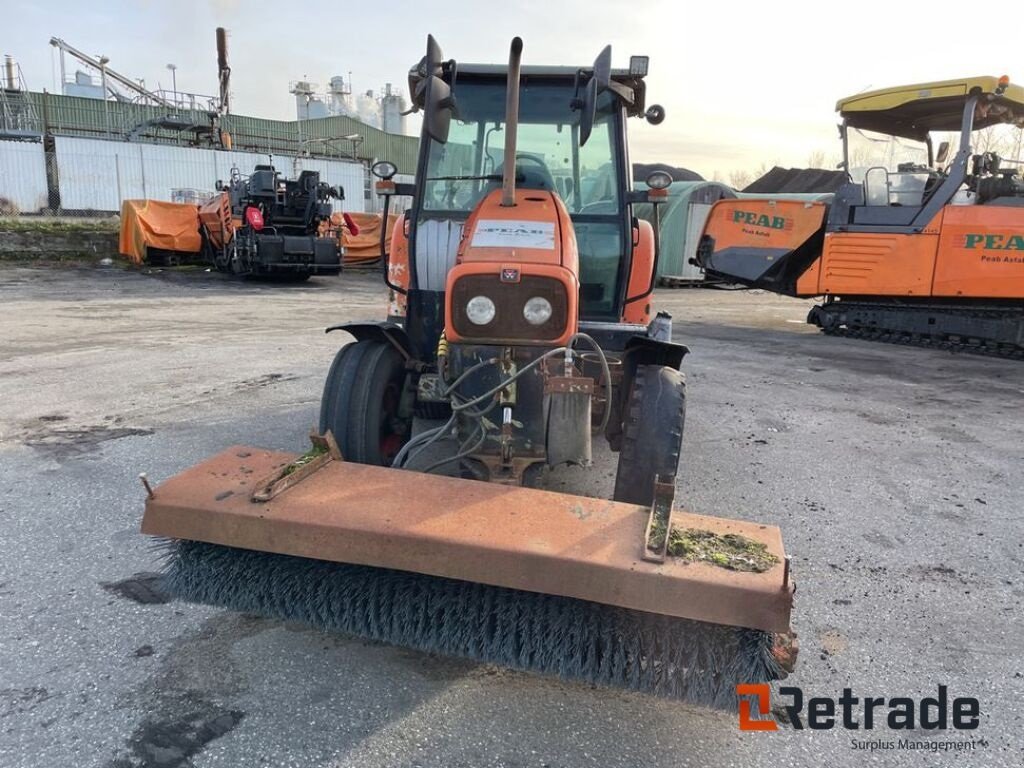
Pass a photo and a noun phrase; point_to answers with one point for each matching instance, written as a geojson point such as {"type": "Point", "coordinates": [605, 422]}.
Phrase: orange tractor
{"type": "Point", "coordinates": [917, 247]}
{"type": "Point", "coordinates": [521, 319]}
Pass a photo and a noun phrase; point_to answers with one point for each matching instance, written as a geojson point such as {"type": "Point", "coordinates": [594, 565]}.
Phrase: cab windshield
{"type": "Point", "coordinates": [867, 149]}
{"type": "Point", "coordinates": [548, 155]}
{"type": "Point", "coordinates": [462, 171]}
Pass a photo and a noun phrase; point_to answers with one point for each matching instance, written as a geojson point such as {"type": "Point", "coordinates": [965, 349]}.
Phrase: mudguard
{"type": "Point", "coordinates": [392, 333]}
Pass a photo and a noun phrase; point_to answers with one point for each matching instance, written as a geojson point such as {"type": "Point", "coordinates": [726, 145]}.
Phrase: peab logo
{"type": "Point", "coordinates": [822, 713]}
{"type": "Point", "coordinates": [762, 220]}
{"type": "Point", "coordinates": [994, 242]}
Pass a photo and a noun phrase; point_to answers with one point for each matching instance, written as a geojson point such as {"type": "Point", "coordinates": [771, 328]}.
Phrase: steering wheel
{"type": "Point", "coordinates": [534, 176]}
{"type": "Point", "coordinates": [599, 207]}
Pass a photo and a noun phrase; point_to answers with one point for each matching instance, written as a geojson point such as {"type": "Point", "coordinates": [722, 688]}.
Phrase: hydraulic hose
{"type": "Point", "coordinates": [424, 440]}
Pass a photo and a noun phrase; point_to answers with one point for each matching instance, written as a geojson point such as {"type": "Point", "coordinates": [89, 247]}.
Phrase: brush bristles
{"type": "Point", "coordinates": [574, 639]}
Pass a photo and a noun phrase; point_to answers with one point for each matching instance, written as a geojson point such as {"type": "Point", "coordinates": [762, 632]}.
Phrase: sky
{"type": "Point", "coordinates": [744, 84]}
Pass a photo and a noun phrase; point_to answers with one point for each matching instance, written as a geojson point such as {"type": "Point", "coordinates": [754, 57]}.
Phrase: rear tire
{"type": "Point", "coordinates": [361, 403]}
{"type": "Point", "coordinates": [652, 432]}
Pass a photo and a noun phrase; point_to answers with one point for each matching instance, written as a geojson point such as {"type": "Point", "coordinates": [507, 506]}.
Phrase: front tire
{"type": "Point", "coordinates": [362, 401]}
{"type": "Point", "coordinates": [652, 432]}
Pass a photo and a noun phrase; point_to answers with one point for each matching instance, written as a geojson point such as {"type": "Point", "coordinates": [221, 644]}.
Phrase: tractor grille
{"type": "Point", "coordinates": [509, 298]}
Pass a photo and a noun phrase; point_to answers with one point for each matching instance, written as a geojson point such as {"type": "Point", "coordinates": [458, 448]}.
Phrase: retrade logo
{"type": "Point", "coordinates": [762, 698]}
{"type": "Point", "coordinates": [823, 713]}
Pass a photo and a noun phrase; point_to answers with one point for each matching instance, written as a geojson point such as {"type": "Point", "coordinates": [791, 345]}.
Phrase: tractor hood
{"type": "Point", "coordinates": [536, 230]}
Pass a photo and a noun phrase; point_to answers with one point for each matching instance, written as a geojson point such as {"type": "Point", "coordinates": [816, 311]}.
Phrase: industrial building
{"type": "Point", "coordinates": [107, 138]}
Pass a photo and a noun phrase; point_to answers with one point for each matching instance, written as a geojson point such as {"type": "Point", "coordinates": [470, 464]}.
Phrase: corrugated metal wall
{"type": "Point", "coordinates": [95, 174]}
{"type": "Point", "coordinates": [22, 176]}
{"type": "Point", "coordinates": [92, 118]}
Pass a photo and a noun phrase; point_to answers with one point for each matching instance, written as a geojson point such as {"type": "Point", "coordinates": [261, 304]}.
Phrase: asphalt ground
{"type": "Point", "coordinates": [893, 472]}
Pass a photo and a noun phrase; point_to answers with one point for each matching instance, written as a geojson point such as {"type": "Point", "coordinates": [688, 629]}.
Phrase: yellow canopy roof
{"type": "Point", "coordinates": [914, 110]}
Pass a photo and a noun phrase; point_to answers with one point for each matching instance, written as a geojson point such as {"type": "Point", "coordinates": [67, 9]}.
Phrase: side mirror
{"type": "Point", "coordinates": [599, 80]}
{"type": "Point", "coordinates": [588, 112]}
{"type": "Point", "coordinates": [943, 154]}
{"type": "Point", "coordinates": [437, 109]}
{"type": "Point", "coordinates": [603, 67]}
{"type": "Point", "coordinates": [433, 58]}
{"type": "Point", "coordinates": [430, 67]}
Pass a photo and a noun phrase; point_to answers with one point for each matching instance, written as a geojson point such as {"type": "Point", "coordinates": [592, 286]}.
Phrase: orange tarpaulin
{"type": "Point", "coordinates": [364, 247]}
{"type": "Point", "coordinates": [156, 224]}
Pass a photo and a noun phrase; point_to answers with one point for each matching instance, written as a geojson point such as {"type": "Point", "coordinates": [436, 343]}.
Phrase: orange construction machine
{"type": "Point", "coordinates": [919, 246]}
{"type": "Point", "coordinates": [521, 321]}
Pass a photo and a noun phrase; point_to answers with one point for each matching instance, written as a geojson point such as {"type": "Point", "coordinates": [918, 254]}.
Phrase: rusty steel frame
{"type": "Point", "coordinates": [520, 538]}
{"type": "Point", "coordinates": [662, 517]}
{"type": "Point", "coordinates": [281, 480]}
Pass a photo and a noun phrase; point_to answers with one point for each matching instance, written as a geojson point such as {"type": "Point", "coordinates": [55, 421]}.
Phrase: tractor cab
{"type": "Point", "coordinates": [570, 142]}
{"type": "Point", "coordinates": [592, 178]}
{"type": "Point", "coordinates": [899, 180]}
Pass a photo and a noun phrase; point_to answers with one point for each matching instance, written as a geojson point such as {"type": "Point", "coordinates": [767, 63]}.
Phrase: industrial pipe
{"type": "Point", "coordinates": [12, 81]}
{"type": "Point", "coordinates": [223, 71]}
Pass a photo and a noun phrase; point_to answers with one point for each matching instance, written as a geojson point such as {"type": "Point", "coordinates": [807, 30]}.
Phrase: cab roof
{"type": "Point", "coordinates": [912, 111]}
{"type": "Point", "coordinates": [567, 74]}
{"type": "Point", "coordinates": [535, 70]}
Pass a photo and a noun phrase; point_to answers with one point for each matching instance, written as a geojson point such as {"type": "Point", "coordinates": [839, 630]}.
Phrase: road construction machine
{"type": "Point", "coordinates": [521, 318]}
{"type": "Point", "coordinates": [918, 246]}
{"type": "Point", "coordinates": [266, 226]}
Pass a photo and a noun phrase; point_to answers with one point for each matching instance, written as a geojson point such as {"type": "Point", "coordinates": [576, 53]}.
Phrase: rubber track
{"type": "Point", "coordinates": [947, 342]}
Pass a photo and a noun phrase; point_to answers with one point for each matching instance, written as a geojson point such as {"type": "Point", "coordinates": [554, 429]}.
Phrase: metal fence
{"type": "Point", "coordinates": [74, 176]}
{"type": "Point", "coordinates": [22, 177]}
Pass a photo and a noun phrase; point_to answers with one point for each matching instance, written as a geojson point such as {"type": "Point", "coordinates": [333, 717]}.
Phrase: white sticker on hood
{"type": "Point", "coordinates": [511, 233]}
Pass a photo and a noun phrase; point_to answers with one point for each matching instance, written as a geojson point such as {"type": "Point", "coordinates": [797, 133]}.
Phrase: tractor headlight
{"type": "Point", "coordinates": [480, 310]}
{"type": "Point", "coordinates": [537, 310]}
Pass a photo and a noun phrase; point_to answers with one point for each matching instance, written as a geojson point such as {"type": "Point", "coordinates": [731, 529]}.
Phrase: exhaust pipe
{"type": "Point", "coordinates": [508, 181]}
